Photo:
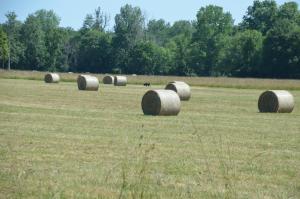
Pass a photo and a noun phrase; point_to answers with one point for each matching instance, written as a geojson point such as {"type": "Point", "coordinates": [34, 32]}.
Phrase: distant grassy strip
{"type": "Point", "coordinates": [34, 78]}
{"type": "Point", "coordinates": [217, 82]}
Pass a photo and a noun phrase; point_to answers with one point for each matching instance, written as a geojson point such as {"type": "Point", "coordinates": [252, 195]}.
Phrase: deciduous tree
{"type": "Point", "coordinates": [212, 27]}
{"type": "Point", "coordinates": [3, 47]}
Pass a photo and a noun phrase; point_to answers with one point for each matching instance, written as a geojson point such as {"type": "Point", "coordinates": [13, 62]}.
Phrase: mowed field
{"type": "Point", "coordinates": [58, 142]}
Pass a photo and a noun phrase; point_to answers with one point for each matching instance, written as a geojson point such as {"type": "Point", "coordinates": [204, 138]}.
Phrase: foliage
{"type": "Point", "coordinates": [157, 31]}
{"type": "Point", "coordinates": [261, 16]}
{"type": "Point", "coordinates": [179, 46]}
{"type": "Point", "coordinates": [209, 39]}
{"type": "Point", "coordinates": [289, 11]}
{"type": "Point", "coordinates": [181, 27]}
{"type": "Point", "coordinates": [243, 56]}
{"type": "Point", "coordinates": [34, 39]}
{"type": "Point", "coordinates": [264, 44]}
{"type": "Point", "coordinates": [98, 21]}
{"type": "Point", "coordinates": [129, 28]}
{"type": "Point", "coordinates": [94, 52]}
{"type": "Point", "coordinates": [13, 29]}
{"type": "Point", "coordinates": [148, 58]}
{"type": "Point", "coordinates": [281, 51]}
{"type": "Point", "coordinates": [3, 47]}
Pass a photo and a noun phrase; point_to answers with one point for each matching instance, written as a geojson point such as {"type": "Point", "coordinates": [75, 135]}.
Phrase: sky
{"type": "Point", "coordinates": [73, 12]}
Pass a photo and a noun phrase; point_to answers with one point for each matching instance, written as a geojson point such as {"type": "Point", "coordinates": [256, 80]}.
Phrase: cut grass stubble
{"type": "Point", "coordinates": [58, 142]}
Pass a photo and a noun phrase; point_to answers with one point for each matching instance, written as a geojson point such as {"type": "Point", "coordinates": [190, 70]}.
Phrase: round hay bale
{"type": "Point", "coordinates": [120, 81]}
{"type": "Point", "coordinates": [87, 82]}
{"type": "Point", "coordinates": [108, 79]}
{"type": "Point", "coordinates": [276, 101]}
{"type": "Point", "coordinates": [52, 78]}
{"type": "Point", "coordinates": [181, 88]}
{"type": "Point", "coordinates": [161, 102]}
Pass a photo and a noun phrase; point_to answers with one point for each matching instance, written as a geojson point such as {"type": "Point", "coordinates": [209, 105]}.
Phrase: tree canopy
{"type": "Point", "coordinates": [265, 44]}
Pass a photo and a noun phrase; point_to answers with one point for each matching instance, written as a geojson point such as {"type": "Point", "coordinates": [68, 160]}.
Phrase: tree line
{"type": "Point", "coordinates": [265, 44]}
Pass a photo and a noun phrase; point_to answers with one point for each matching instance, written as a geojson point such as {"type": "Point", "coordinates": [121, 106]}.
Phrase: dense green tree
{"type": "Point", "coordinates": [265, 44]}
{"type": "Point", "coordinates": [148, 58]}
{"type": "Point", "coordinates": [179, 37]}
{"type": "Point", "coordinates": [212, 28]}
{"type": "Point", "coordinates": [157, 31]}
{"type": "Point", "coordinates": [129, 26]}
{"type": "Point", "coordinates": [129, 29]}
{"type": "Point", "coordinates": [71, 49]}
{"type": "Point", "coordinates": [180, 48]}
{"type": "Point", "coordinates": [12, 27]}
{"type": "Point", "coordinates": [48, 20]}
{"type": "Point", "coordinates": [44, 42]}
{"type": "Point", "coordinates": [35, 55]}
{"type": "Point", "coordinates": [281, 50]}
{"type": "Point", "coordinates": [56, 42]}
{"type": "Point", "coordinates": [94, 52]}
{"type": "Point", "coordinates": [3, 47]}
{"type": "Point", "coordinates": [261, 16]}
{"type": "Point", "coordinates": [55, 39]}
{"type": "Point", "coordinates": [244, 54]}
{"type": "Point", "coordinates": [181, 27]}
{"type": "Point", "coordinates": [289, 11]}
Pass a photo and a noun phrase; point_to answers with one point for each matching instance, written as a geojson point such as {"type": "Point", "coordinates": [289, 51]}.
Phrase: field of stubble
{"type": "Point", "coordinates": [58, 142]}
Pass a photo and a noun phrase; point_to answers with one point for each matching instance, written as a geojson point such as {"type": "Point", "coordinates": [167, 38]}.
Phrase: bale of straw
{"type": "Point", "coordinates": [161, 102]}
{"type": "Point", "coordinates": [52, 78]}
{"type": "Point", "coordinates": [181, 88]}
{"type": "Point", "coordinates": [87, 82]}
{"type": "Point", "coordinates": [108, 79]}
{"type": "Point", "coordinates": [276, 101]}
{"type": "Point", "coordinates": [120, 81]}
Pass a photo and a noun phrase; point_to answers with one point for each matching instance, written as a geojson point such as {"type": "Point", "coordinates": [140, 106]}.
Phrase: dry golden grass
{"type": "Point", "coordinates": [222, 82]}
{"type": "Point", "coordinates": [58, 142]}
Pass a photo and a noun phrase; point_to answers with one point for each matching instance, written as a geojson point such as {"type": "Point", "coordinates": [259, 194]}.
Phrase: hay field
{"type": "Point", "coordinates": [218, 82]}
{"type": "Point", "coordinates": [58, 142]}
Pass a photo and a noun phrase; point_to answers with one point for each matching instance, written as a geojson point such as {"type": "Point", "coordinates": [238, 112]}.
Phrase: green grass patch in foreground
{"type": "Point", "coordinates": [58, 142]}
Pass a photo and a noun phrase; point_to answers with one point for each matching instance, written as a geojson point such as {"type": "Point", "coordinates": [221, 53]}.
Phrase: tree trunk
{"type": "Point", "coordinates": [8, 67]}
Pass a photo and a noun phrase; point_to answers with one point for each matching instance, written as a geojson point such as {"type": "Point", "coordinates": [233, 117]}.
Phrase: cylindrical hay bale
{"type": "Point", "coordinates": [276, 101]}
{"type": "Point", "coordinates": [161, 102]}
{"type": "Point", "coordinates": [52, 78]}
{"type": "Point", "coordinates": [120, 81]}
{"type": "Point", "coordinates": [108, 79]}
{"type": "Point", "coordinates": [181, 88]}
{"type": "Point", "coordinates": [87, 82]}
